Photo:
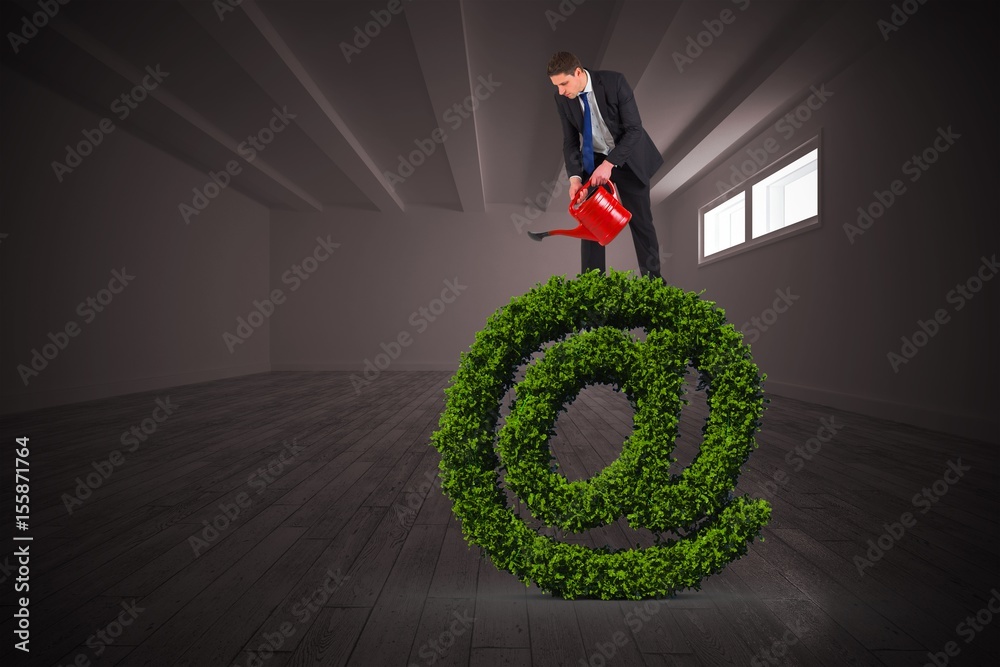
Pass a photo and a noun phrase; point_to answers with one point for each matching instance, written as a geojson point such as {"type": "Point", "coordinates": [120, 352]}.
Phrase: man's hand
{"type": "Point", "coordinates": [574, 187]}
{"type": "Point", "coordinates": [602, 174]}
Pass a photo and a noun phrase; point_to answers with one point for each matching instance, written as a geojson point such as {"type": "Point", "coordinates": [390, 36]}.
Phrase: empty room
{"type": "Point", "coordinates": [500, 332]}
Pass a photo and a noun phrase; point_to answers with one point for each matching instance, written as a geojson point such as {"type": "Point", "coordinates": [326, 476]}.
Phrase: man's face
{"type": "Point", "coordinates": [570, 85]}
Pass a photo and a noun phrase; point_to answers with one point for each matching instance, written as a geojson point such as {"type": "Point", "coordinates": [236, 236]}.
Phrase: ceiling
{"type": "Point", "coordinates": [363, 103]}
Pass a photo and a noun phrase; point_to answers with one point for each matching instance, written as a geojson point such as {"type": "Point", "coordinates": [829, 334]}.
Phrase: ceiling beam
{"type": "Point", "coordinates": [107, 57]}
{"type": "Point", "coordinates": [255, 44]}
{"type": "Point", "coordinates": [439, 37]}
{"type": "Point", "coordinates": [809, 47]}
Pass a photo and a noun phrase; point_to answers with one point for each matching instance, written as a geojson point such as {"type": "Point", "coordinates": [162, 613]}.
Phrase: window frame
{"type": "Point", "coordinates": [750, 243]}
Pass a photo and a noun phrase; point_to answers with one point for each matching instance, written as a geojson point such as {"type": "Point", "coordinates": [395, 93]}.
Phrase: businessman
{"type": "Point", "coordinates": [603, 140]}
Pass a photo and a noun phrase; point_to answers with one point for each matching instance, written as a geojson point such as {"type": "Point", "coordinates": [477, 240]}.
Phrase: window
{"type": "Point", "coordinates": [787, 196]}
{"type": "Point", "coordinates": [725, 225]}
{"type": "Point", "coordinates": [780, 200]}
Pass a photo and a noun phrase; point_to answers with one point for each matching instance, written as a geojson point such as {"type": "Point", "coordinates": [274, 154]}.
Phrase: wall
{"type": "Point", "coordinates": [118, 209]}
{"type": "Point", "coordinates": [856, 297]}
{"type": "Point", "coordinates": [389, 266]}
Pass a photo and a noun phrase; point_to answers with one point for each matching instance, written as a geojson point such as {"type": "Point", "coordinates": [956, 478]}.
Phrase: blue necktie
{"type": "Point", "coordinates": [588, 137]}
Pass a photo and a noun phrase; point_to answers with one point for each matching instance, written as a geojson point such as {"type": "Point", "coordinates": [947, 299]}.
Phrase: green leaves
{"type": "Point", "coordinates": [586, 320]}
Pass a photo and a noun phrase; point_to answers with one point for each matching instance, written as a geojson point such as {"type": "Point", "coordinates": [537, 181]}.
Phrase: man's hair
{"type": "Point", "coordinates": [563, 62]}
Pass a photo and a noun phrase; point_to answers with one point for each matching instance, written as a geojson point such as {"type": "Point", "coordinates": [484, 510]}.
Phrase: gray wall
{"type": "Point", "coordinates": [856, 300]}
{"type": "Point", "coordinates": [119, 208]}
{"type": "Point", "coordinates": [389, 266]}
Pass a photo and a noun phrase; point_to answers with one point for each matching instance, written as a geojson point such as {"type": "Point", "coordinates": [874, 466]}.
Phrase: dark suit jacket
{"type": "Point", "coordinates": [620, 113]}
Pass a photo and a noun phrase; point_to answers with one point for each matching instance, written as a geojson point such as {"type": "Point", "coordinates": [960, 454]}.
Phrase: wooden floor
{"type": "Point", "coordinates": [345, 554]}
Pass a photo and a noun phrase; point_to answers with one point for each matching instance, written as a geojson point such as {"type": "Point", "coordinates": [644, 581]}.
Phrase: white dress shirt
{"type": "Point", "coordinates": [604, 143]}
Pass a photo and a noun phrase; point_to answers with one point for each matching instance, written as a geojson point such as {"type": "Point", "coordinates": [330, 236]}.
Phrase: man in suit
{"type": "Point", "coordinates": [620, 150]}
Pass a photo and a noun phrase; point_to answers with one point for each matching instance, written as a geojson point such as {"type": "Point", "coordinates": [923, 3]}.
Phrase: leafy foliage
{"type": "Point", "coordinates": [587, 318]}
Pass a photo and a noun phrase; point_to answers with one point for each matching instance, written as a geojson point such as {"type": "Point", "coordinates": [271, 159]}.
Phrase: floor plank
{"type": "Point", "coordinates": [346, 552]}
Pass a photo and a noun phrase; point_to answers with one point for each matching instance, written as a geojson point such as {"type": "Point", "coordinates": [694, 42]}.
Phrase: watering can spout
{"type": "Point", "coordinates": [579, 232]}
{"type": "Point", "coordinates": [600, 216]}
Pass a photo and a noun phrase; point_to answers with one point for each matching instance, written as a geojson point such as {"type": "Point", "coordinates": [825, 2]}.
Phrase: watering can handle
{"type": "Point", "coordinates": [586, 186]}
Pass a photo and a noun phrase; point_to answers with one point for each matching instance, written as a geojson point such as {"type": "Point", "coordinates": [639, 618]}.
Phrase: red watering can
{"type": "Point", "coordinates": [601, 215]}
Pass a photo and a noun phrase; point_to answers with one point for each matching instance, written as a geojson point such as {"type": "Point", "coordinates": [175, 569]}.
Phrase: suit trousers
{"type": "Point", "coordinates": [635, 198]}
